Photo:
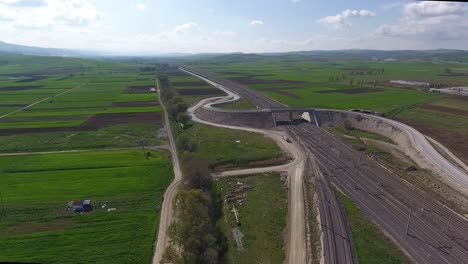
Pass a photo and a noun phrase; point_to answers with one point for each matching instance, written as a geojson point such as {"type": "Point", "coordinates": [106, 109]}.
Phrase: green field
{"type": "Point", "coordinates": [300, 81]}
{"type": "Point", "coordinates": [74, 88]}
{"type": "Point", "coordinates": [35, 189]}
{"type": "Point", "coordinates": [71, 92]}
{"type": "Point", "coordinates": [263, 219]}
{"type": "Point", "coordinates": [370, 244]}
{"type": "Point", "coordinates": [226, 148]}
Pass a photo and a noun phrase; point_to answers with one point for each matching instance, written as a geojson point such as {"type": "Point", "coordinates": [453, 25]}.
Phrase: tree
{"type": "Point", "coordinates": [351, 82]}
{"type": "Point", "coordinates": [191, 234]}
{"type": "Point", "coordinates": [183, 118]}
{"type": "Point", "coordinates": [196, 171]}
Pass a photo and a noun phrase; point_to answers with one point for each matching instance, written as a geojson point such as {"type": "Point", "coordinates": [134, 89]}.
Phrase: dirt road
{"type": "Point", "coordinates": [296, 248]}
{"type": "Point", "coordinates": [166, 208]}
{"type": "Point", "coordinates": [425, 229]}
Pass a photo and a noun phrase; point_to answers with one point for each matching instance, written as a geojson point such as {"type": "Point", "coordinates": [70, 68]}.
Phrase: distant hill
{"type": "Point", "coordinates": [224, 58]}
{"type": "Point", "coordinates": [28, 50]}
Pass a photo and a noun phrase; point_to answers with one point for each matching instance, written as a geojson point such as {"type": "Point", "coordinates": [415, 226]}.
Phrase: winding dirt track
{"type": "Point", "coordinates": [296, 248]}
{"type": "Point", "coordinates": [425, 229]}
{"type": "Point", "coordinates": [297, 241]}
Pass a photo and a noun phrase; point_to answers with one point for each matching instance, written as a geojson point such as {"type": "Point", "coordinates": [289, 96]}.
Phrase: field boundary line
{"type": "Point", "coordinates": [161, 147]}
{"type": "Point", "coordinates": [42, 100]}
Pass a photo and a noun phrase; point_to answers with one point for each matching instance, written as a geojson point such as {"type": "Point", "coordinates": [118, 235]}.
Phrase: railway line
{"type": "Point", "coordinates": [335, 232]}
{"type": "Point", "coordinates": [424, 228]}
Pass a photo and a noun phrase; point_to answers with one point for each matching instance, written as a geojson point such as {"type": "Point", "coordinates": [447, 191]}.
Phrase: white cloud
{"type": "Point", "coordinates": [428, 9]}
{"type": "Point", "coordinates": [434, 22]}
{"type": "Point", "coordinates": [141, 6]}
{"type": "Point", "coordinates": [256, 22]}
{"type": "Point", "coordinates": [341, 20]}
{"type": "Point", "coordinates": [50, 13]}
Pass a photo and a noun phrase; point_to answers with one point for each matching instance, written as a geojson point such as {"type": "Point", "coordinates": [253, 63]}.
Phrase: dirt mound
{"type": "Point", "coordinates": [213, 91]}
{"type": "Point", "coordinates": [352, 90]}
{"type": "Point", "coordinates": [20, 88]}
{"type": "Point", "coordinates": [134, 103]}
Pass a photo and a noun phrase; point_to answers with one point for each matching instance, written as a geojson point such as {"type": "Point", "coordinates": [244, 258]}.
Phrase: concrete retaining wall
{"type": "Point", "coordinates": [261, 120]}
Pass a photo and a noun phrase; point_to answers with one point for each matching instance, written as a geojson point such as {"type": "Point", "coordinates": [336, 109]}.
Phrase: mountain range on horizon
{"type": "Point", "coordinates": [348, 53]}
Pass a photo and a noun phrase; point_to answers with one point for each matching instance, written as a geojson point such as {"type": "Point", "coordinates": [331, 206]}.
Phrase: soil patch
{"type": "Point", "coordinates": [446, 109]}
{"type": "Point", "coordinates": [48, 71]}
{"type": "Point", "coordinates": [19, 88]}
{"type": "Point", "coordinates": [252, 80]}
{"type": "Point", "coordinates": [139, 89]}
{"type": "Point", "coordinates": [254, 164]}
{"type": "Point", "coordinates": [94, 123]}
{"type": "Point", "coordinates": [244, 73]}
{"type": "Point", "coordinates": [280, 91]}
{"type": "Point", "coordinates": [352, 90]}
{"type": "Point", "coordinates": [213, 91]}
{"type": "Point", "coordinates": [34, 227]}
{"type": "Point", "coordinates": [101, 120]}
{"type": "Point", "coordinates": [43, 118]}
{"type": "Point", "coordinates": [136, 103]}
{"type": "Point", "coordinates": [13, 105]}
{"type": "Point", "coordinates": [455, 142]}
{"type": "Point", "coordinates": [189, 84]}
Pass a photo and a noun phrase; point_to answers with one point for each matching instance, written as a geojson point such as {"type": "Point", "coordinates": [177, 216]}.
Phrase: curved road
{"type": "Point", "coordinates": [297, 247]}
{"type": "Point", "coordinates": [426, 230]}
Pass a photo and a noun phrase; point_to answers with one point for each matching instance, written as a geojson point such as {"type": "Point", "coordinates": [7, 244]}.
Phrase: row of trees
{"type": "Point", "coordinates": [175, 105]}
{"type": "Point", "coordinates": [344, 76]}
{"type": "Point", "coordinates": [193, 236]}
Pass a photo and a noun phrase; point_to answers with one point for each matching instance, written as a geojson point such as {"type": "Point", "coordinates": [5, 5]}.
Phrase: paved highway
{"type": "Point", "coordinates": [296, 247]}
{"type": "Point", "coordinates": [424, 228]}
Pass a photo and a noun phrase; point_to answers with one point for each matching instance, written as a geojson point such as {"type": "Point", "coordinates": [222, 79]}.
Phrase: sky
{"type": "Point", "coordinates": [206, 26]}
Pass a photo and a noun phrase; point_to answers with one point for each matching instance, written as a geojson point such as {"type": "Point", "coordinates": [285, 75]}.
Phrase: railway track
{"type": "Point", "coordinates": [425, 229]}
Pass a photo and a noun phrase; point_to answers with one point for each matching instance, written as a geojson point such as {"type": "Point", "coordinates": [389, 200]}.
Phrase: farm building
{"type": "Point", "coordinates": [152, 89]}
{"type": "Point", "coordinates": [80, 206]}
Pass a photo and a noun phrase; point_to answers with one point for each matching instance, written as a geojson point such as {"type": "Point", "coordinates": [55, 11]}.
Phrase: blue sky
{"type": "Point", "coordinates": [159, 26]}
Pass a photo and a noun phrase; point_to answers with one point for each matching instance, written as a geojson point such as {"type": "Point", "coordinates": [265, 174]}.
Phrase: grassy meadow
{"type": "Point", "coordinates": [36, 188]}
{"type": "Point", "coordinates": [263, 219]}
{"type": "Point", "coordinates": [333, 83]}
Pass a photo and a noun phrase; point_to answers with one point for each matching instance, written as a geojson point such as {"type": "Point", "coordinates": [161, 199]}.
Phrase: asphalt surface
{"type": "Point", "coordinates": [424, 228]}
{"type": "Point", "coordinates": [296, 246]}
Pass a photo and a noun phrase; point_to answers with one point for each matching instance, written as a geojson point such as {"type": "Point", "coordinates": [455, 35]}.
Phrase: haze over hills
{"type": "Point", "coordinates": [442, 54]}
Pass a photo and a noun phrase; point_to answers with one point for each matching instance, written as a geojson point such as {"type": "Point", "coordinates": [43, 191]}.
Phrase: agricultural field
{"type": "Point", "coordinates": [347, 84]}
{"type": "Point", "coordinates": [74, 129]}
{"type": "Point", "coordinates": [191, 88]}
{"type": "Point", "coordinates": [228, 149]}
{"type": "Point", "coordinates": [262, 218]}
{"type": "Point", "coordinates": [35, 189]}
{"type": "Point", "coordinates": [49, 103]}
